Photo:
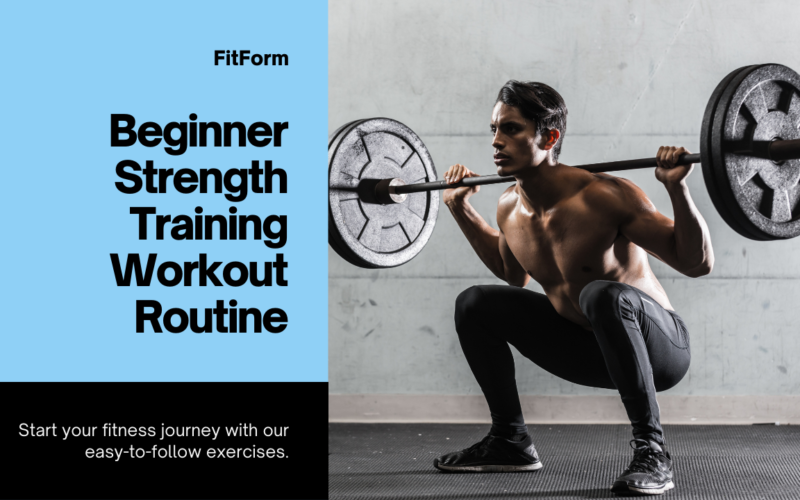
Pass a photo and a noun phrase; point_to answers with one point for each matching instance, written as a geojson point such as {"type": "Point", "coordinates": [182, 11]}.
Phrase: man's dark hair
{"type": "Point", "coordinates": [539, 103]}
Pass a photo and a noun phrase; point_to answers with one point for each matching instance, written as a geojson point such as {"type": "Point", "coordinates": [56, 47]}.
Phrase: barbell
{"type": "Point", "coordinates": [383, 192]}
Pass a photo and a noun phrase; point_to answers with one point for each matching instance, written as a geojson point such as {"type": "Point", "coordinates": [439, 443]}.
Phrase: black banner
{"type": "Point", "coordinates": [199, 440]}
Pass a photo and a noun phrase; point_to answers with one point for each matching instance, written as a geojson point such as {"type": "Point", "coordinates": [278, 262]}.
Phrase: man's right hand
{"type": "Point", "coordinates": [453, 175]}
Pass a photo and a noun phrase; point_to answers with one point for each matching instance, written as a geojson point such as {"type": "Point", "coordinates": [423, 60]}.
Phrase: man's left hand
{"type": "Point", "coordinates": [667, 172]}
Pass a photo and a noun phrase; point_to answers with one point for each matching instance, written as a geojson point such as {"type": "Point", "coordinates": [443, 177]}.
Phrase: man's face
{"type": "Point", "coordinates": [516, 142]}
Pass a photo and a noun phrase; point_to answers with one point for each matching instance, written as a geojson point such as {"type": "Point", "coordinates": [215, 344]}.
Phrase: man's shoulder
{"type": "Point", "coordinates": [507, 202]}
{"type": "Point", "coordinates": [607, 192]}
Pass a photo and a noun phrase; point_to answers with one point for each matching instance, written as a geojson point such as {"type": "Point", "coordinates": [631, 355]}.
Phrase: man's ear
{"type": "Point", "coordinates": [550, 138]}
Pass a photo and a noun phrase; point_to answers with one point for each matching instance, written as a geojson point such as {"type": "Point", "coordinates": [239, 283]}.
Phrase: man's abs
{"type": "Point", "coordinates": [563, 265]}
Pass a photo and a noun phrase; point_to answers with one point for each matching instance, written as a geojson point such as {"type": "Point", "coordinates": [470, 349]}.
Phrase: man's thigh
{"type": "Point", "coordinates": [667, 340]}
{"type": "Point", "coordinates": [528, 321]}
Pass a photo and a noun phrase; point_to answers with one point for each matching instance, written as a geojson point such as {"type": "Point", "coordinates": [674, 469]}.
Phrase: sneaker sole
{"type": "Point", "coordinates": [488, 468]}
{"type": "Point", "coordinates": [653, 491]}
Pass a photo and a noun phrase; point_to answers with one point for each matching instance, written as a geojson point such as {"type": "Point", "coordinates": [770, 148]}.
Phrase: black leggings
{"type": "Point", "coordinates": [637, 347]}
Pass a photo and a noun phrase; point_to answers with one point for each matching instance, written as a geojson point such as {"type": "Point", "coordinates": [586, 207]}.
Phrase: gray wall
{"type": "Point", "coordinates": [635, 75]}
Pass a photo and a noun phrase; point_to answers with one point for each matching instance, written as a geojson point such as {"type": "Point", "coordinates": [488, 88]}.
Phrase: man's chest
{"type": "Point", "coordinates": [563, 244]}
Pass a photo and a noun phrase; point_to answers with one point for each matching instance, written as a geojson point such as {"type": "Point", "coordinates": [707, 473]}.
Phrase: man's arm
{"type": "Point", "coordinates": [684, 244]}
{"type": "Point", "coordinates": [488, 243]}
{"type": "Point", "coordinates": [515, 274]}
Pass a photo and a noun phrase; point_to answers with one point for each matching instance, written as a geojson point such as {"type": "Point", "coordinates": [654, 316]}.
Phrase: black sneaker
{"type": "Point", "coordinates": [649, 473]}
{"type": "Point", "coordinates": [492, 454]}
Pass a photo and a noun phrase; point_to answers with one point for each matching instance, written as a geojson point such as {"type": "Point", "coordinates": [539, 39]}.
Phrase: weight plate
{"type": "Point", "coordinates": [334, 240]}
{"type": "Point", "coordinates": [759, 105]}
{"type": "Point", "coordinates": [334, 236]}
{"type": "Point", "coordinates": [336, 133]}
{"type": "Point", "coordinates": [331, 140]}
{"type": "Point", "coordinates": [371, 235]}
{"type": "Point", "coordinates": [728, 205]}
{"type": "Point", "coordinates": [710, 177]}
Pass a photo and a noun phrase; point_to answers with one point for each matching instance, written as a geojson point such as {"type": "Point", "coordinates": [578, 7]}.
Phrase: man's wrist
{"type": "Point", "coordinates": [676, 187]}
{"type": "Point", "coordinates": [456, 203]}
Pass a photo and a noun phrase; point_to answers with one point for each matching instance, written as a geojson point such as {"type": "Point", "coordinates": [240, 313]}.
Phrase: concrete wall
{"type": "Point", "coordinates": [635, 75]}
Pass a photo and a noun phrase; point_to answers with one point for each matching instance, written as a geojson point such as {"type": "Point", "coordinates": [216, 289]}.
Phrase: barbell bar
{"type": "Point", "coordinates": [386, 192]}
{"type": "Point", "coordinates": [775, 151]}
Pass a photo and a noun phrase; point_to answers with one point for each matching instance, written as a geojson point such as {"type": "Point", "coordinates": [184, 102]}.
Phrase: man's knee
{"type": "Point", "coordinates": [468, 305]}
{"type": "Point", "coordinates": [600, 297]}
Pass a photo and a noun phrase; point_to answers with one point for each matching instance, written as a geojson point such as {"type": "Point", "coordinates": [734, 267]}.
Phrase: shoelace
{"type": "Point", "coordinates": [645, 459]}
{"type": "Point", "coordinates": [479, 444]}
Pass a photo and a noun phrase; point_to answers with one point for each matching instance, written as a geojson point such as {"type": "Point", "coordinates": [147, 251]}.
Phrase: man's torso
{"type": "Point", "coordinates": [572, 244]}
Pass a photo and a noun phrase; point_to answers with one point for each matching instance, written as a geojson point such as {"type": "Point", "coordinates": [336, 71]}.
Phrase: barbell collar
{"type": "Point", "coordinates": [784, 150]}
{"type": "Point", "coordinates": [386, 191]}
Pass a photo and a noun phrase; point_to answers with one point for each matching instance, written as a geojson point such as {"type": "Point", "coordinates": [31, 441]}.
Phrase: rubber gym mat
{"type": "Point", "coordinates": [395, 461]}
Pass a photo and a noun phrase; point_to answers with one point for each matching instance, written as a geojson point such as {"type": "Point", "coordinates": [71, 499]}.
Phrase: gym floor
{"type": "Point", "coordinates": [371, 461]}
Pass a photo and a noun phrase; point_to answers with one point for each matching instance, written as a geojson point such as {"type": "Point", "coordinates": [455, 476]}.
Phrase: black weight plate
{"type": "Point", "coordinates": [371, 235]}
{"type": "Point", "coordinates": [709, 176]}
{"type": "Point", "coordinates": [759, 105]}
{"type": "Point", "coordinates": [728, 206]}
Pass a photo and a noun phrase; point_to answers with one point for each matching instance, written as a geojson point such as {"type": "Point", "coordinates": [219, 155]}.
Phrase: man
{"type": "Point", "coordinates": [604, 321]}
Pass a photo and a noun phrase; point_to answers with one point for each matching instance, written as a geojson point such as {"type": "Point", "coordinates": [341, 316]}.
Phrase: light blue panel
{"type": "Point", "coordinates": [67, 68]}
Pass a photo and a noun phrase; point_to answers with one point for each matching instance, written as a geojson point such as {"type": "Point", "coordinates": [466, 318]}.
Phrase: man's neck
{"type": "Point", "coordinates": [542, 187]}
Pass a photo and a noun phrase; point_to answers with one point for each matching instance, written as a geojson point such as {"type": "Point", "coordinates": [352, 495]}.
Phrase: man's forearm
{"type": "Point", "coordinates": [483, 237]}
{"type": "Point", "coordinates": [692, 238]}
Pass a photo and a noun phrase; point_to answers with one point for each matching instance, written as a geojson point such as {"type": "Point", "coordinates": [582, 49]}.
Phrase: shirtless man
{"type": "Point", "coordinates": [604, 321]}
